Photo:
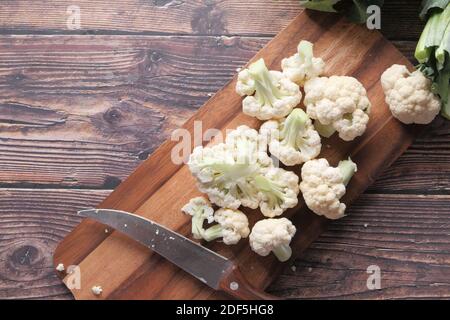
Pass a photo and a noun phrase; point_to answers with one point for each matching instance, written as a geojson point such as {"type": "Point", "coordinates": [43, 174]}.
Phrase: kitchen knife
{"type": "Point", "coordinates": [207, 266]}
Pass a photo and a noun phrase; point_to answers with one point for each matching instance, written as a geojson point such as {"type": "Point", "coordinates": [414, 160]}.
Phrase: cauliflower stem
{"type": "Point", "coordinates": [200, 209]}
{"type": "Point", "coordinates": [213, 233]}
{"type": "Point", "coordinates": [348, 169]}
{"type": "Point", "coordinates": [266, 92]}
{"type": "Point", "coordinates": [272, 190]}
{"type": "Point", "coordinates": [325, 131]}
{"type": "Point", "coordinates": [294, 124]}
{"type": "Point", "coordinates": [283, 252]}
{"type": "Point", "coordinates": [433, 51]}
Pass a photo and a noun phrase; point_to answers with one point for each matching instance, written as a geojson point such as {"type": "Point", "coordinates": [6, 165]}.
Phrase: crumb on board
{"type": "Point", "coordinates": [97, 290]}
{"type": "Point", "coordinates": [366, 225]}
{"type": "Point", "coordinates": [293, 268]}
{"type": "Point", "coordinates": [309, 269]}
{"type": "Point", "coordinates": [60, 267]}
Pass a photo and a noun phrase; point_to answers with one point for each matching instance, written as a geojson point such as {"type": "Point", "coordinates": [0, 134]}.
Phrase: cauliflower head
{"type": "Point", "coordinates": [269, 94]}
{"type": "Point", "coordinates": [273, 235]}
{"type": "Point", "coordinates": [338, 103]}
{"type": "Point", "coordinates": [302, 66]}
{"type": "Point", "coordinates": [225, 171]}
{"type": "Point", "coordinates": [232, 226]}
{"type": "Point", "coordinates": [409, 95]}
{"type": "Point", "coordinates": [278, 191]}
{"type": "Point", "coordinates": [293, 140]}
{"type": "Point", "coordinates": [200, 209]}
{"type": "Point", "coordinates": [323, 186]}
{"type": "Point", "coordinates": [239, 172]}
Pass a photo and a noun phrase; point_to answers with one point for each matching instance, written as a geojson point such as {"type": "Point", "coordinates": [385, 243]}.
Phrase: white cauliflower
{"type": "Point", "coordinates": [270, 94]}
{"type": "Point", "coordinates": [323, 186]}
{"type": "Point", "coordinates": [200, 209]}
{"type": "Point", "coordinates": [273, 235]}
{"type": "Point", "coordinates": [278, 191]}
{"type": "Point", "coordinates": [409, 95]}
{"type": "Point", "coordinates": [303, 66]}
{"type": "Point", "coordinates": [292, 140]}
{"type": "Point", "coordinates": [339, 104]}
{"type": "Point", "coordinates": [232, 226]}
{"type": "Point", "coordinates": [238, 172]}
{"type": "Point", "coordinates": [225, 171]}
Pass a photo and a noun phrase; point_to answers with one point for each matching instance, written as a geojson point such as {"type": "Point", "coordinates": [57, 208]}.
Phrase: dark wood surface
{"type": "Point", "coordinates": [79, 110]}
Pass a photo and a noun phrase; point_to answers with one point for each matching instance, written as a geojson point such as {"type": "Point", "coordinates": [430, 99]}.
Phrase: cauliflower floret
{"type": "Point", "coordinates": [239, 172]}
{"type": "Point", "coordinates": [278, 191]}
{"type": "Point", "coordinates": [302, 66]}
{"type": "Point", "coordinates": [200, 209]}
{"type": "Point", "coordinates": [248, 146]}
{"type": "Point", "coordinates": [273, 235]}
{"type": "Point", "coordinates": [225, 171]}
{"type": "Point", "coordinates": [338, 103]}
{"type": "Point", "coordinates": [323, 186]}
{"type": "Point", "coordinates": [232, 226]}
{"type": "Point", "coordinates": [409, 95]}
{"type": "Point", "coordinates": [274, 94]}
{"type": "Point", "coordinates": [292, 140]}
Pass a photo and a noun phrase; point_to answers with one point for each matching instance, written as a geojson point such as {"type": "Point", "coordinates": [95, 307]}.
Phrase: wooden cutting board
{"type": "Point", "coordinates": [159, 188]}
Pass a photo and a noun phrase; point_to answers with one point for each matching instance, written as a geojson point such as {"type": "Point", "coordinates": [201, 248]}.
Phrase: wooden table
{"type": "Point", "coordinates": [80, 109]}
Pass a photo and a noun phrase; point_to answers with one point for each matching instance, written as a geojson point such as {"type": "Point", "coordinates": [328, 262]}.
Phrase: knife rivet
{"type": "Point", "coordinates": [234, 286]}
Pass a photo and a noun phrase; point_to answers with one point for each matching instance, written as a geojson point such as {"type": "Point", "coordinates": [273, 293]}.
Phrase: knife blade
{"type": "Point", "coordinates": [176, 248]}
{"type": "Point", "coordinates": [212, 269]}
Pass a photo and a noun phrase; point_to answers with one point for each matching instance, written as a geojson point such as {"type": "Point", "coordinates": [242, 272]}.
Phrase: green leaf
{"type": "Point", "coordinates": [429, 6]}
{"type": "Point", "coordinates": [320, 5]}
{"type": "Point", "coordinates": [358, 12]}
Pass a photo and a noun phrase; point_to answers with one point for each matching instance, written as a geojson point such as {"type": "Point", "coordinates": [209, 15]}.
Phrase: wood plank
{"type": "Point", "coordinates": [154, 189]}
{"type": "Point", "coordinates": [414, 263]}
{"type": "Point", "coordinates": [407, 237]}
{"type": "Point", "coordinates": [166, 16]}
{"type": "Point", "coordinates": [95, 107]}
{"type": "Point", "coordinates": [32, 222]}
{"type": "Point", "coordinates": [424, 168]}
{"type": "Point", "coordinates": [55, 111]}
{"type": "Point", "coordinates": [232, 17]}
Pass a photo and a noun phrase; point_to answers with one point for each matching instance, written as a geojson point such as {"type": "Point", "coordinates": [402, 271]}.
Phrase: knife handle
{"type": "Point", "coordinates": [235, 284]}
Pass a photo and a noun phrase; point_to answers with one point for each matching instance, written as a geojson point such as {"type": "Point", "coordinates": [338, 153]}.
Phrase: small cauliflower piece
{"type": "Point", "coordinates": [273, 235]}
{"type": "Point", "coordinates": [60, 267]}
{"type": "Point", "coordinates": [248, 146]}
{"type": "Point", "coordinates": [303, 66]}
{"type": "Point", "coordinates": [337, 103]}
{"type": "Point", "coordinates": [323, 186]}
{"type": "Point", "coordinates": [97, 290]}
{"type": "Point", "coordinates": [225, 171]}
{"type": "Point", "coordinates": [200, 209]}
{"type": "Point", "coordinates": [269, 94]}
{"type": "Point", "coordinates": [239, 172]}
{"type": "Point", "coordinates": [292, 140]}
{"type": "Point", "coordinates": [409, 95]}
{"type": "Point", "coordinates": [232, 226]}
{"type": "Point", "coordinates": [278, 191]}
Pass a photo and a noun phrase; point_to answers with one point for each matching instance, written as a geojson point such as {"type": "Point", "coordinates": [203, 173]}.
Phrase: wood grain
{"type": "Point", "coordinates": [407, 237]}
{"type": "Point", "coordinates": [92, 140]}
{"type": "Point", "coordinates": [98, 106]}
{"type": "Point", "coordinates": [232, 17]}
{"type": "Point", "coordinates": [61, 162]}
{"type": "Point", "coordinates": [32, 222]}
{"type": "Point", "coordinates": [154, 189]}
{"type": "Point", "coordinates": [329, 268]}
{"type": "Point", "coordinates": [158, 16]}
